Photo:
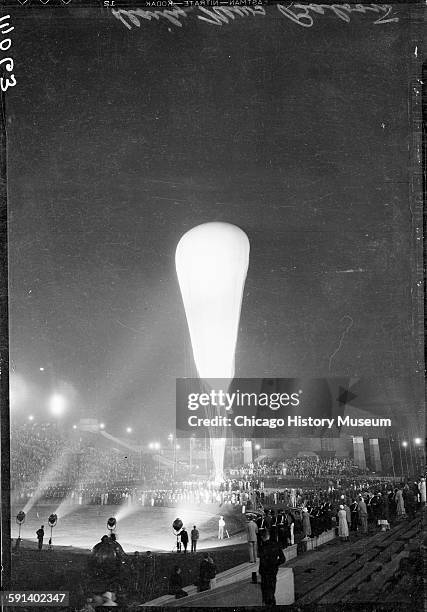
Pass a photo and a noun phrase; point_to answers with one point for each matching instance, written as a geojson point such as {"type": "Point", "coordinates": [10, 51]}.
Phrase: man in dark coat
{"type": "Point", "coordinates": [273, 526]}
{"type": "Point", "coordinates": [354, 515]}
{"type": "Point", "coordinates": [410, 501]}
{"type": "Point", "coordinates": [118, 550]}
{"type": "Point", "coordinates": [261, 530]}
{"type": "Point", "coordinates": [194, 538]}
{"type": "Point", "coordinates": [282, 530]}
{"type": "Point", "coordinates": [268, 520]}
{"type": "Point", "coordinates": [184, 539]}
{"type": "Point", "coordinates": [40, 536]}
{"type": "Point", "coordinates": [207, 572]}
{"type": "Point", "coordinates": [270, 557]}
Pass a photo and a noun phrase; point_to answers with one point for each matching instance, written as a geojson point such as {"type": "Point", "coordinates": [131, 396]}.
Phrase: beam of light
{"type": "Point", "coordinates": [49, 478]}
{"type": "Point", "coordinates": [186, 513]}
{"type": "Point", "coordinates": [66, 507]}
{"type": "Point", "coordinates": [211, 263]}
{"type": "Point", "coordinates": [126, 509]}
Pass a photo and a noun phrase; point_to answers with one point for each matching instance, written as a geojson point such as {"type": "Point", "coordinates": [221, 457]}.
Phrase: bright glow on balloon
{"type": "Point", "coordinates": [211, 262]}
{"type": "Point", "coordinates": [57, 404]}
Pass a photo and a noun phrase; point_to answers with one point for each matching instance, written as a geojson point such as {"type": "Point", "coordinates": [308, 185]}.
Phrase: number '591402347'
{"type": "Point", "coordinates": [6, 63]}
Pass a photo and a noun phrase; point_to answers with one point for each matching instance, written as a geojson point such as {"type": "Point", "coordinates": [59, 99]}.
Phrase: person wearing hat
{"type": "Point", "coordinates": [194, 538]}
{"type": "Point", "coordinates": [40, 536]}
{"type": "Point", "coordinates": [342, 523]}
{"type": "Point", "coordinates": [184, 538]}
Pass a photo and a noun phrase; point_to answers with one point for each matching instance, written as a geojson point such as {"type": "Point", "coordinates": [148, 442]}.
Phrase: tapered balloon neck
{"type": "Point", "coordinates": [216, 384]}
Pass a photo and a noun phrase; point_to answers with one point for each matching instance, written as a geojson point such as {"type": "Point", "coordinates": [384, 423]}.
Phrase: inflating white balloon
{"type": "Point", "coordinates": [211, 263]}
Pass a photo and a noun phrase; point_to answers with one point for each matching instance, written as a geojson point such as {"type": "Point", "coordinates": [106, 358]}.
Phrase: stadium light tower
{"type": "Point", "coordinates": [20, 518]}
{"type": "Point", "coordinates": [52, 520]}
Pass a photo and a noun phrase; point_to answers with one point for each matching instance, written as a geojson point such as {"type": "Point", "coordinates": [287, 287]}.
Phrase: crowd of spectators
{"type": "Point", "coordinates": [299, 467]}
{"type": "Point", "coordinates": [74, 466]}
{"type": "Point", "coordinates": [49, 464]}
{"type": "Point", "coordinates": [33, 450]}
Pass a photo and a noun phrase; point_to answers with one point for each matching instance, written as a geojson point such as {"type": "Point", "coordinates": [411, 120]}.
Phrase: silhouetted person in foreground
{"type": "Point", "coordinates": [194, 538]}
{"type": "Point", "coordinates": [270, 557]}
{"type": "Point", "coordinates": [40, 536]}
{"type": "Point", "coordinates": [175, 584]}
{"type": "Point", "coordinates": [103, 560]}
{"type": "Point", "coordinates": [120, 553]}
{"type": "Point", "coordinates": [184, 539]}
{"type": "Point", "coordinates": [207, 572]}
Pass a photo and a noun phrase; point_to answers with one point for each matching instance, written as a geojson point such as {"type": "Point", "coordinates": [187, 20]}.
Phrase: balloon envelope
{"type": "Point", "coordinates": [211, 262]}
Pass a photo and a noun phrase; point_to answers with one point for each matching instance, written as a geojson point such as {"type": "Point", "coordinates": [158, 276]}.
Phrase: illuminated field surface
{"type": "Point", "coordinates": [138, 527]}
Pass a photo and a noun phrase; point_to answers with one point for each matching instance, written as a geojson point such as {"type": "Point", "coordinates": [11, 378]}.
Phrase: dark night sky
{"type": "Point", "coordinates": [120, 141]}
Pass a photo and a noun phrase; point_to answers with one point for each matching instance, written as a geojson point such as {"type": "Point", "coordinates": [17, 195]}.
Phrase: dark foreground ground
{"type": "Point", "coordinates": [378, 572]}
{"type": "Point", "coordinates": [139, 580]}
